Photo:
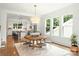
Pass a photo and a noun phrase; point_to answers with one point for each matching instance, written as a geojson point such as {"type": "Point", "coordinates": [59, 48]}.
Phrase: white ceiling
{"type": "Point", "coordinates": [28, 8]}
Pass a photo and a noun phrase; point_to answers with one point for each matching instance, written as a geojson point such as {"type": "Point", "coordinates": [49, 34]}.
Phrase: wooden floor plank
{"type": "Point", "coordinates": [9, 50]}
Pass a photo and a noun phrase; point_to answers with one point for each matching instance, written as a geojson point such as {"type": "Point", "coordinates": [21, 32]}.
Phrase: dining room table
{"type": "Point", "coordinates": [37, 40]}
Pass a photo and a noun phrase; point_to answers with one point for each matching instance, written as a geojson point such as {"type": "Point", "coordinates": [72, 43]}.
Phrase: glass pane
{"type": "Point", "coordinates": [14, 26]}
{"type": "Point", "coordinates": [67, 17]}
{"type": "Point", "coordinates": [56, 21]}
{"type": "Point", "coordinates": [56, 26]}
{"type": "Point", "coordinates": [67, 25]}
{"type": "Point", "coordinates": [56, 31]}
{"type": "Point", "coordinates": [47, 25]}
{"type": "Point", "coordinates": [67, 31]}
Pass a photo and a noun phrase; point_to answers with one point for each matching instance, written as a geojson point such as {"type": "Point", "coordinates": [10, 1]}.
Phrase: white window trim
{"type": "Point", "coordinates": [61, 29]}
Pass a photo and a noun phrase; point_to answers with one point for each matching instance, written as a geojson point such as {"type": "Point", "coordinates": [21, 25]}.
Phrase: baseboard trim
{"type": "Point", "coordinates": [58, 44]}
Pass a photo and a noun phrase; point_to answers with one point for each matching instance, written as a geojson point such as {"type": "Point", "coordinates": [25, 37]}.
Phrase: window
{"type": "Point", "coordinates": [60, 26]}
{"type": "Point", "coordinates": [17, 26]}
{"type": "Point", "coordinates": [67, 17]}
{"type": "Point", "coordinates": [14, 26]}
{"type": "Point", "coordinates": [47, 25]}
{"type": "Point", "coordinates": [56, 26]}
{"type": "Point", "coordinates": [67, 25]}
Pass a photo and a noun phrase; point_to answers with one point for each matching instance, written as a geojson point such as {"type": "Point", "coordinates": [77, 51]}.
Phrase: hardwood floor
{"type": "Point", "coordinates": [9, 50]}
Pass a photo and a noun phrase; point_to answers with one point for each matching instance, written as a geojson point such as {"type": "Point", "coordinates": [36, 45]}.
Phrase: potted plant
{"type": "Point", "coordinates": [74, 46]}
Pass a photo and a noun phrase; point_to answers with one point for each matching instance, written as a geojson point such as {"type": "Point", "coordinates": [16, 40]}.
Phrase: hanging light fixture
{"type": "Point", "coordinates": [35, 19]}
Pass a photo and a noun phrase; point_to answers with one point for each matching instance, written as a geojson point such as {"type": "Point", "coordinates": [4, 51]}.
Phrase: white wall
{"type": "Point", "coordinates": [0, 32]}
{"type": "Point", "coordinates": [3, 20]}
{"type": "Point", "coordinates": [76, 27]}
{"type": "Point", "coordinates": [72, 9]}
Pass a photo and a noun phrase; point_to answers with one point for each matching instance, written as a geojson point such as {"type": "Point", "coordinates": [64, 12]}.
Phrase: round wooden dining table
{"type": "Point", "coordinates": [36, 40]}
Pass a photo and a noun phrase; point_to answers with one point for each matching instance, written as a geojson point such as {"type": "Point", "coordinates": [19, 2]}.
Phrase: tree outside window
{"type": "Point", "coordinates": [55, 22]}
{"type": "Point", "coordinates": [67, 17]}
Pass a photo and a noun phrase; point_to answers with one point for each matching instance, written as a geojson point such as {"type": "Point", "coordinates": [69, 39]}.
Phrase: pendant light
{"type": "Point", "coordinates": [35, 19]}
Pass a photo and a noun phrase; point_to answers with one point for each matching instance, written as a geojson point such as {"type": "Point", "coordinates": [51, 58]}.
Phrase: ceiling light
{"type": "Point", "coordinates": [35, 19]}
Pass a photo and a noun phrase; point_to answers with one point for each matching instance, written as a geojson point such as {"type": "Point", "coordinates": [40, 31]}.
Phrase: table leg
{"type": "Point", "coordinates": [30, 44]}
{"type": "Point", "coordinates": [44, 40]}
{"type": "Point", "coordinates": [36, 42]}
{"type": "Point", "coordinates": [33, 44]}
{"type": "Point", "coordinates": [40, 44]}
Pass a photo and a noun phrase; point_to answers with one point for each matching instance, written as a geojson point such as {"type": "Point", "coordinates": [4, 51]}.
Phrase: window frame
{"type": "Point", "coordinates": [58, 19]}
{"type": "Point", "coordinates": [49, 26]}
{"type": "Point", "coordinates": [61, 29]}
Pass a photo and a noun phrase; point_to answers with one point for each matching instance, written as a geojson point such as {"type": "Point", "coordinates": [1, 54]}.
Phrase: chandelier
{"type": "Point", "coordinates": [35, 19]}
